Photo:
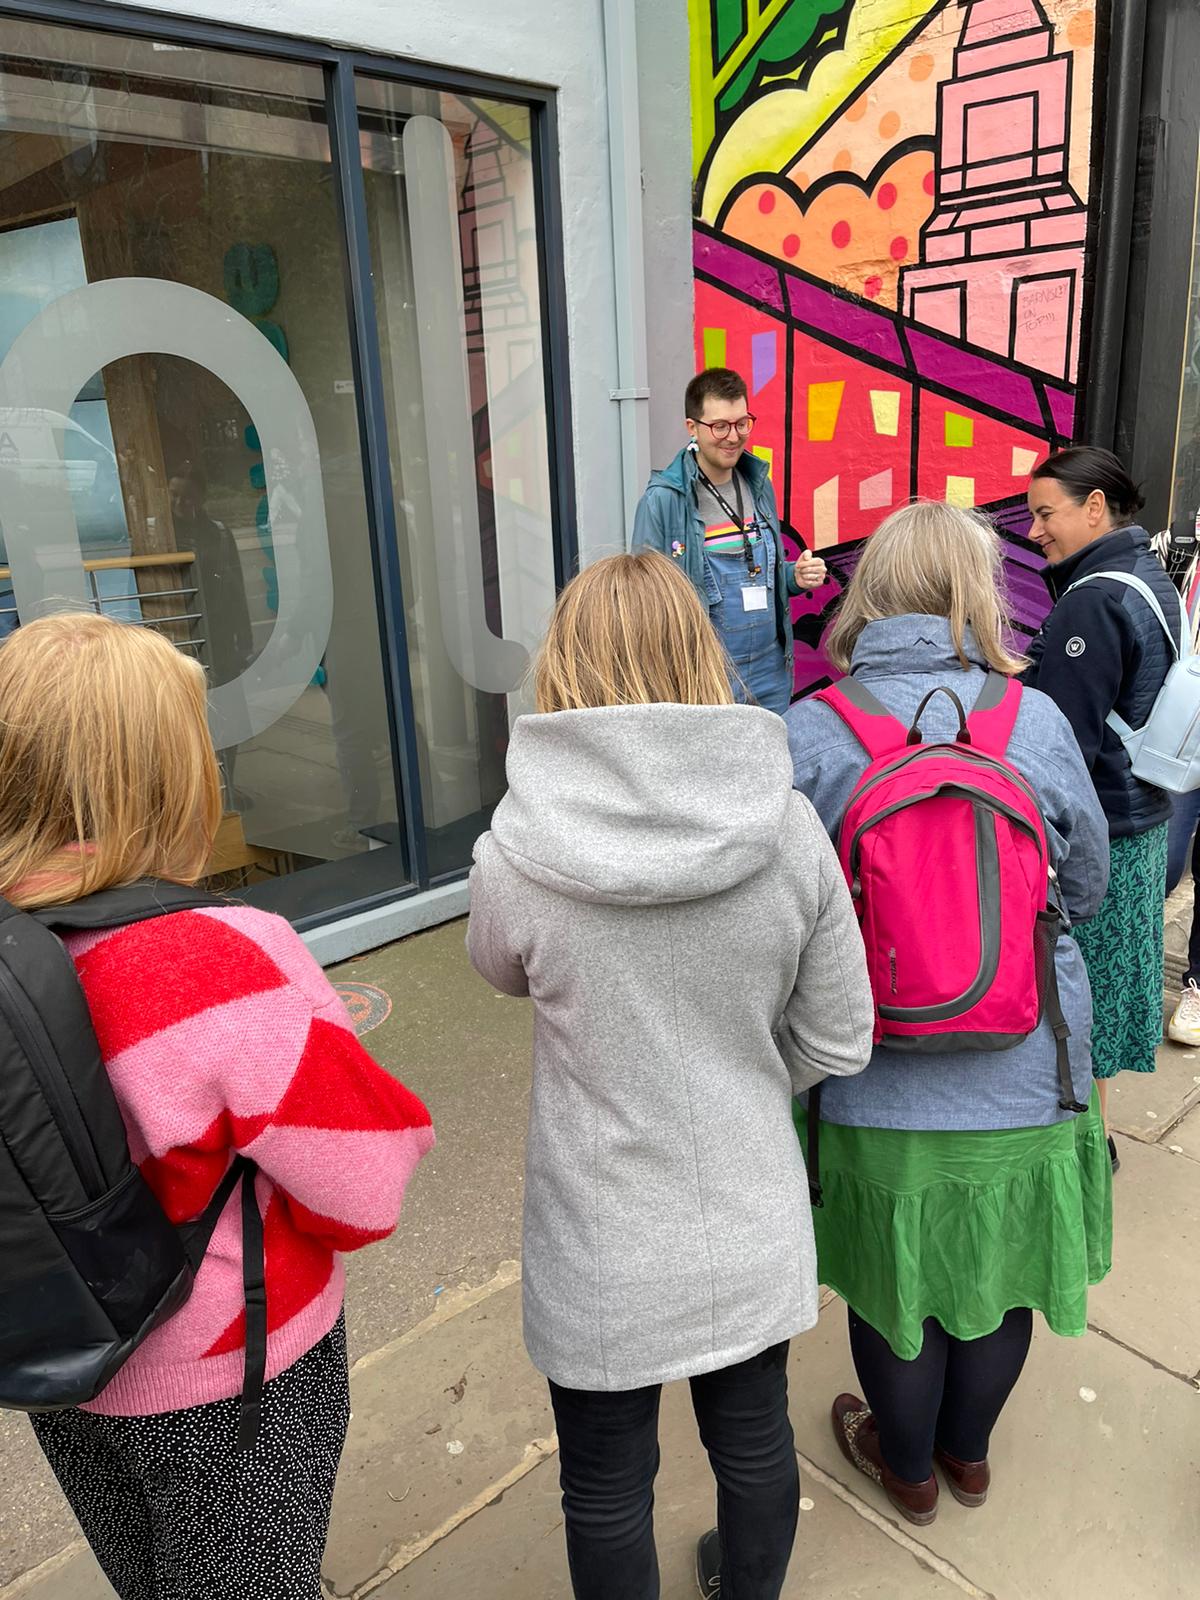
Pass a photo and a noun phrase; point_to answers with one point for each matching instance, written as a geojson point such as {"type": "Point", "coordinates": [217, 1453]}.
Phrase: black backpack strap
{"type": "Point", "coordinates": [196, 1239]}
{"type": "Point", "coordinates": [813, 1158]}
{"type": "Point", "coordinates": [130, 902]}
{"type": "Point", "coordinates": [254, 1286]}
{"type": "Point", "coordinates": [1052, 926]}
{"type": "Point", "coordinates": [197, 1235]}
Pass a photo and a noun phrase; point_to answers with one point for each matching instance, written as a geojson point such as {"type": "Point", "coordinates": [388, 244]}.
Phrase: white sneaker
{"type": "Point", "coordinates": [1184, 1027]}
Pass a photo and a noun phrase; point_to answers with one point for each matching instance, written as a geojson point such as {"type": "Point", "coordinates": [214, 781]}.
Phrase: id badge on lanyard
{"type": "Point", "coordinates": [754, 594]}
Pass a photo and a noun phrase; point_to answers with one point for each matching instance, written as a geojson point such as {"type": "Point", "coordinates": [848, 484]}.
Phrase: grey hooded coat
{"type": "Point", "coordinates": [678, 917]}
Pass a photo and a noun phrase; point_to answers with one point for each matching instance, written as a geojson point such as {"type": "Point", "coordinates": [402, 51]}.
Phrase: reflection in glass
{"type": "Point", "coordinates": [451, 206]}
{"type": "Point", "coordinates": [195, 167]}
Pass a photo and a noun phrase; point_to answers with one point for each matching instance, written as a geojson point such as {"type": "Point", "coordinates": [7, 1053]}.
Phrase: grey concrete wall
{"type": "Point", "coordinates": [667, 201]}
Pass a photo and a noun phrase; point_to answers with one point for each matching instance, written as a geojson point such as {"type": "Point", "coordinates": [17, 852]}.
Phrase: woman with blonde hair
{"type": "Point", "coordinates": [222, 1039]}
{"type": "Point", "coordinates": [677, 916]}
{"type": "Point", "coordinates": [960, 1192]}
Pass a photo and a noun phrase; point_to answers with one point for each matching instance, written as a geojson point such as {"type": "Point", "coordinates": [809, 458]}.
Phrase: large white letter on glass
{"type": "Point", "coordinates": [486, 662]}
{"type": "Point", "coordinates": [46, 367]}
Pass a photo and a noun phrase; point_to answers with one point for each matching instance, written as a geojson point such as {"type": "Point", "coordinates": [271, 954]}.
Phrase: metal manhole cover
{"type": "Point", "coordinates": [368, 1006]}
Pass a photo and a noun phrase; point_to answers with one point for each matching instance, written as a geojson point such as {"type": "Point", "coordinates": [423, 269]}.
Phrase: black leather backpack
{"type": "Point", "coordinates": [89, 1262]}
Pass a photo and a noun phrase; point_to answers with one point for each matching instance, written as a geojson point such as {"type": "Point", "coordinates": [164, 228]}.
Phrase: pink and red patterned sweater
{"type": "Point", "coordinates": [221, 1034]}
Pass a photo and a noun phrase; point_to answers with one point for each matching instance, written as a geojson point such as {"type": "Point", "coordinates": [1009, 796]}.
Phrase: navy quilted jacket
{"type": "Point", "coordinates": [1100, 649]}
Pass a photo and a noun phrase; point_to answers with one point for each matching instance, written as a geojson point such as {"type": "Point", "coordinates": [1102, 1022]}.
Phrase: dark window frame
{"type": "Point", "coordinates": [342, 68]}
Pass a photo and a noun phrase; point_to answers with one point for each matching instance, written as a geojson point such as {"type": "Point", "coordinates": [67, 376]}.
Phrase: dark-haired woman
{"type": "Point", "coordinates": [1102, 649]}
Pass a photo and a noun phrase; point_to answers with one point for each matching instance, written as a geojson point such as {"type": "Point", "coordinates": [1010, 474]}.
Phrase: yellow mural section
{"type": "Point", "coordinates": [769, 134]}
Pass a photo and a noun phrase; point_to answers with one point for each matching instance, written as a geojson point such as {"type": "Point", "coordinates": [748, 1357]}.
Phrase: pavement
{"type": "Point", "coordinates": [449, 1488]}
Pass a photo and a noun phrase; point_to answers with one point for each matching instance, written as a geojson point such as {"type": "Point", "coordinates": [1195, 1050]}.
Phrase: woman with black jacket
{"type": "Point", "coordinates": [1102, 649]}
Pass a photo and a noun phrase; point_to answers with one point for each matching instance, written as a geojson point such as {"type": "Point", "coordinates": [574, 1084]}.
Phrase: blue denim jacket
{"type": "Point", "coordinates": [901, 659]}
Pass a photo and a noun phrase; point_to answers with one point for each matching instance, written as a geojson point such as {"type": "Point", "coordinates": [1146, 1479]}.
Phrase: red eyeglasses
{"type": "Point", "coordinates": [723, 428]}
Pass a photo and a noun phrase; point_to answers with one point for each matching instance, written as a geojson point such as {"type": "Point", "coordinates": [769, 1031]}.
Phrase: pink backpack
{"type": "Point", "coordinates": [944, 849]}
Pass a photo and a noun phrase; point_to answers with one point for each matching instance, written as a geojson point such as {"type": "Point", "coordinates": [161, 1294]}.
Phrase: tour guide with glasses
{"type": "Point", "coordinates": [713, 511]}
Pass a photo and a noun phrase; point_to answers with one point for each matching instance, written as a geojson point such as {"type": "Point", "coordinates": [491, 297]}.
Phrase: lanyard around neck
{"type": "Point", "coordinates": [738, 518]}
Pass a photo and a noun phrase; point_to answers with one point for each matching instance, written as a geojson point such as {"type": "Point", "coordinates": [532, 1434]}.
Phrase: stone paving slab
{"type": "Point", "coordinates": [514, 1550]}
{"type": "Point", "coordinates": [1146, 1105]}
{"type": "Point", "coordinates": [35, 1520]}
{"type": "Point", "coordinates": [467, 1052]}
{"type": "Point", "coordinates": [1187, 1136]}
{"type": "Point", "coordinates": [1090, 1497]}
{"type": "Point", "coordinates": [436, 1421]}
{"type": "Point", "coordinates": [1151, 1299]}
{"type": "Point", "coordinates": [75, 1576]}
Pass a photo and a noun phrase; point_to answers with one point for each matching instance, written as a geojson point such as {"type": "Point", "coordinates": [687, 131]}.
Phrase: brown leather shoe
{"type": "Point", "coordinates": [857, 1435]}
{"type": "Point", "coordinates": [967, 1481]}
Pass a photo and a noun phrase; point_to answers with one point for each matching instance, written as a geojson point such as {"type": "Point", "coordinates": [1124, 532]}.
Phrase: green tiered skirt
{"type": "Point", "coordinates": [964, 1226]}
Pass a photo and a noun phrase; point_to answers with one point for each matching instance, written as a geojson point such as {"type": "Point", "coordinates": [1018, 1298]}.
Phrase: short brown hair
{"type": "Point", "coordinates": [631, 631]}
{"type": "Point", "coordinates": [717, 383]}
{"type": "Point", "coordinates": [107, 772]}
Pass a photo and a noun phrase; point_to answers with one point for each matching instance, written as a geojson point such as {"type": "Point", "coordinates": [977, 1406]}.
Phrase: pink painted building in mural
{"type": "Point", "coordinates": [1002, 254]}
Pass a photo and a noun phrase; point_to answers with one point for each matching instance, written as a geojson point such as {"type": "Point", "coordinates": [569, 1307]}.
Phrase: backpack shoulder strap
{"type": "Point", "coordinates": [872, 724]}
{"type": "Point", "coordinates": [130, 902]}
{"type": "Point", "coordinates": [994, 716]}
{"type": "Point", "coordinates": [1140, 586]}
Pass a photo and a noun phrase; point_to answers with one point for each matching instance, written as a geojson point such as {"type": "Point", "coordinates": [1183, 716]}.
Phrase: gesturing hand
{"type": "Point", "coordinates": [810, 571]}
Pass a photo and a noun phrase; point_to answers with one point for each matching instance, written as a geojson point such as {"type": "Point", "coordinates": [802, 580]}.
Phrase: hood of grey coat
{"type": "Point", "coordinates": [644, 805]}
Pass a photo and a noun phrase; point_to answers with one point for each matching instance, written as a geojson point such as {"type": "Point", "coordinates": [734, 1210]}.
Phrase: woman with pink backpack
{"type": "Point", "coordinates": [962, 1181]}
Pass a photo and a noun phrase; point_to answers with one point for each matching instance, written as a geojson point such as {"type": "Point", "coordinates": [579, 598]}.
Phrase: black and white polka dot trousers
{"type": "Point", "coordinates": [174, 1512]}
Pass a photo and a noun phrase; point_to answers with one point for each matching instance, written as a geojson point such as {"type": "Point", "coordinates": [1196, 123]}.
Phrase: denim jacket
{"type": "Point", "coordinates": [669, 520]}
{"type": "Point", "coordinates": [901, 659]}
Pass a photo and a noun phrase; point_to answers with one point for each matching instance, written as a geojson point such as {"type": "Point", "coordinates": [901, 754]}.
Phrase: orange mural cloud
{"type": "Point", "coordinates": [854, 236]}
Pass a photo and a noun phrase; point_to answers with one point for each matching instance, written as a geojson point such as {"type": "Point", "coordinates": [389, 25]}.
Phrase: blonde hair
{"type": "Point", "coordinates": [935, 560]}
{"type": "Point", "coordinates": [107, 772]}
{"type": "Point", "coordinates": [631, 631]}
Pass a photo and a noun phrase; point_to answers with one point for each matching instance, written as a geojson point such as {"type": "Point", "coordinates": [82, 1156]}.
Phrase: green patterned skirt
{"type": "Point", "coordinates": [964, 1226]}
{"type": "Point", "coordinates": [1122, 948]}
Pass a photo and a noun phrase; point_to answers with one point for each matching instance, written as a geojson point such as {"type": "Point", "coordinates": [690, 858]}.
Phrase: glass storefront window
{"type": "Point", "coordinates": [180, 441]}
{"type": "Point", "coordinates": [119, 160]}
{"type": "Point", "coordinates": [451, 206]}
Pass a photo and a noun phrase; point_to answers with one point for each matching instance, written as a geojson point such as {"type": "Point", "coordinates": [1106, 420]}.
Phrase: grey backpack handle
{"type": "Point", "coordinates": [1119, 726]}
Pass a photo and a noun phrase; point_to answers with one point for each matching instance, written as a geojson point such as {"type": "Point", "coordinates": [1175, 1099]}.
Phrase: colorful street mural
{"type": "Point", "coordinates": [891, 210]}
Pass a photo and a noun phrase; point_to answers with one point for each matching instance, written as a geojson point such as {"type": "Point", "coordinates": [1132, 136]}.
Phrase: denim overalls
{"type": "Point", "coordinates": [750, 637]}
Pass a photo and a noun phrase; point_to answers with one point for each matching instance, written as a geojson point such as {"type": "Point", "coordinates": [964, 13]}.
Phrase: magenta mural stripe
{"type": "Point", "coordinates": [739, 270]}
{"type": "Point", "coordinates": [979, 377]}
{"type": "Point", "coordinates": [1062, 409]}
{"type": "Point", "coordinates": [823, 311]}
{"type": "Point", "coordinates": [1028, 597]}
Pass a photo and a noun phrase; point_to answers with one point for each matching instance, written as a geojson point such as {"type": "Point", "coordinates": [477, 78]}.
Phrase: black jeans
{"type": "Point", "coordinates": [608, 1457]}
{"type": "Point", "coordinates": [951, 1395]}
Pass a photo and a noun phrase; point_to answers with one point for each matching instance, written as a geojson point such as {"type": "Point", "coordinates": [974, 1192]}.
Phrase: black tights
{"type": "Point", "coordinates": [951, 1395]}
